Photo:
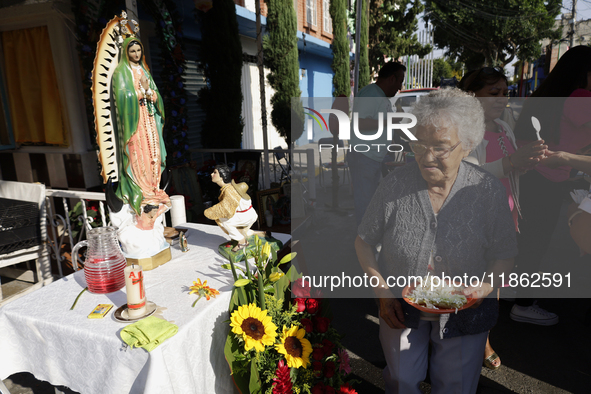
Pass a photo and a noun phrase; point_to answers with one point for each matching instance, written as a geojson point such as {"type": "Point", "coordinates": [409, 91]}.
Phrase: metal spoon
{"type": "Point", "coordinates": [536, 123]}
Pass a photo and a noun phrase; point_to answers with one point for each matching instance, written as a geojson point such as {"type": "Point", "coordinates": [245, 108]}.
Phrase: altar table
{"type": "Point", "coordinates": [41, 335]}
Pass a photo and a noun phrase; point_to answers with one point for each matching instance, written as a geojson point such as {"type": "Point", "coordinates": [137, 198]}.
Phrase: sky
{"type": "Point", "coordinates": [583, 13]}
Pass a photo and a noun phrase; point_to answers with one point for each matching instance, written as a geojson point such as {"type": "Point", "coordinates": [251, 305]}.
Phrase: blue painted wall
{"type": "Point", "coordinates": [316, 83]}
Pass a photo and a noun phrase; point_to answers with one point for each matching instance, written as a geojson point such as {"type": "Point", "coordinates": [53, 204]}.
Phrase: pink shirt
{"type": "Point", "coordinates": [573, 135]}
{"type": "Point", "coordinates": [494, 152]}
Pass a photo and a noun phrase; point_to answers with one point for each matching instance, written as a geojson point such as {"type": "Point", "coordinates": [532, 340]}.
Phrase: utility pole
{"type": "Point", "coordinates": [573, 24]}
{"type": "Point", "coordinates": [357, 44]}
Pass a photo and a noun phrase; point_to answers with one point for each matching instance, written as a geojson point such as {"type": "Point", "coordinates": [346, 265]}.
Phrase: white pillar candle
{"type": "Point", "coordinates": [136, 294]}
{"type": "Point", "coordinates": [178, 215]}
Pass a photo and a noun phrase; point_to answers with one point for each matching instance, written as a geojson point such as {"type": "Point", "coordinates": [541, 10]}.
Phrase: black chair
{"type": "Point", "coordinates": [285, 167]}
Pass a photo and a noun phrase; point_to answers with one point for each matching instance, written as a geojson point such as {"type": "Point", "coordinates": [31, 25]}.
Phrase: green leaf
{"type": "Point", "coordinates": [238, 298]}
{"type": "Point", "coordinates": [231, 351]}
{"type": "Point", "coordinates": [269, 289]}
{"type": "Point", "coordinates": [293, 274]}
{"type": "Point", "coordinates": [268, 270]}
{"type": "Point", "coordinates": [255, 383]}
{"type": "Point", "coordinates": [241, 282]}
{"type": "Point", "coordinates": [227, 266]}
{"type": "Point", "coordinates": [287, 258]}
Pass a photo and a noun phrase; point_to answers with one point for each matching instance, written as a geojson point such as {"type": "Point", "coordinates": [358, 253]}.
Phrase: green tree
{"type": "Point", "coordinates": [221, 99]}
{"type": "Point", "coordinates": [364, 74]}
{"type": "Point", "coordinates": [457, 67]}
{"type": "Point", "coordinates": [392, 27]}
{"type": "Point", "coordinates": [492, 32]}
{"type": "Point", "coordinates": [441, 69]}
{"type": "Point", "coordinates": [281, 55]}
{"type": "Point", "coordinates": [340, 49]}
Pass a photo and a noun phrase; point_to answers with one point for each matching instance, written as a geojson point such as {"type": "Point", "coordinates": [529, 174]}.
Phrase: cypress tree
{"type": "Point", "coordinates": [340, 49]}
{"type": "Point", "coordinates": [281, 55]}
{"type": "Point", "coordinates": [364, 77]}
{"type": "Point", "coordinates": [221, 99]}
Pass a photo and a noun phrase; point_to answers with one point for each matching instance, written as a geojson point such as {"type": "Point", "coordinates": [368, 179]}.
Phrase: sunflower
{"type": "Point", "coordinates": [295, 347]}
{"type": "Point", "coordinates": [254, 325]}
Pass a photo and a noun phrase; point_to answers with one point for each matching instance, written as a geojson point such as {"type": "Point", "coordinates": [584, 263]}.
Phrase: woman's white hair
{"type": "Point", "coordinates": [452, 108]}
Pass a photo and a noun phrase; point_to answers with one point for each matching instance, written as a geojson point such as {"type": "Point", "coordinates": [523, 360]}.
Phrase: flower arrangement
{"type": "Point", "coordinates": [277, 345]}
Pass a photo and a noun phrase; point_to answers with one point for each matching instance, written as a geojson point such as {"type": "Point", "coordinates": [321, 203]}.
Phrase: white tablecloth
{"type": "Point", "coordinates": [39, 334]}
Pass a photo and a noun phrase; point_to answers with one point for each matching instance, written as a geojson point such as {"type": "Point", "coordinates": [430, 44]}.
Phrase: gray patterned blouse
{"type": "Point", "coordinates": [473, 228]}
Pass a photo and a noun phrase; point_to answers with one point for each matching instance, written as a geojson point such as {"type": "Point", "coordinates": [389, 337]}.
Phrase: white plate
{"type": "Point", "coordinates": [121, 312]}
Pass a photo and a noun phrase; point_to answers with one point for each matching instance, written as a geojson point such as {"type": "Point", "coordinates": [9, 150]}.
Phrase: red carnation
{"type": "Point", "coordinates": [317, 368]}
{"type": "Point", "coordinates": [346, 389]}
{"type": "Point", "coordinates": [282, 381]}
{"type": "Point", "coordinates": [321, 323]}
{"type": "Point", "coordinates": [329, 369]}
{"type": "Point", "coordinates": [307, 323]}
{"type": "Point", "coordinates": [319, 388]}
{"type": "Point", "coordinates": [301, 302]}
{"type": "Point", "coordinates": [327, 347]}
{"type": "Point", "coordinates": [312, 306]}
{"type": "Point", "coordinates": [329, 390]}
{"type": "Point", "coordinates": [318, 354]}
{"type": "Point", "coordinates": [301, 288]}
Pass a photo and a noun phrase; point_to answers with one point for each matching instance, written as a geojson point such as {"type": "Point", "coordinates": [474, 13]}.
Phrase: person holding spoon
{"type": "Point", "coordinates": [561, 106]}
{"type": "Point", "coordinates": [498, 153]}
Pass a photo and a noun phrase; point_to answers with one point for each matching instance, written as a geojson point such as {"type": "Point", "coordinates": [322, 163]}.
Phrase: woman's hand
{"type": "Point", "coordinates": [391, 312]}
{"type": "Point", "coordinates": [479, 292]}
{"type": "Point", "coordinates": [555, 159]}
{"type": "Point", "coordinates": [529, 155]}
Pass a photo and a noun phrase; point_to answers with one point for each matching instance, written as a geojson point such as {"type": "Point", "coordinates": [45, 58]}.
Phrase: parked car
{"type": "Point", "coordinates": [405, 99]}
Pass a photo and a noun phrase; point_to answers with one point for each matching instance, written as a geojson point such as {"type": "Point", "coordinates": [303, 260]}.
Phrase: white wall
{"type": "Point", "coordinates": [252, 134]}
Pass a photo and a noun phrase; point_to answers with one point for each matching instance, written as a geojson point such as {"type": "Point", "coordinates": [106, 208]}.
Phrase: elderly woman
{"type": "Point", "coordinates": [439, 215]}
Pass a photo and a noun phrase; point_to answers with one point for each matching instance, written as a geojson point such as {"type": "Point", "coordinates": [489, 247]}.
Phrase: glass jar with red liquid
{"type": "Point", "coordinates": [104, 265]}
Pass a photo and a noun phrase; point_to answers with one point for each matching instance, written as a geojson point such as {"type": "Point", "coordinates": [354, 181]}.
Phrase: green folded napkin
{"type": "Point", "coordinates": [148, 333]}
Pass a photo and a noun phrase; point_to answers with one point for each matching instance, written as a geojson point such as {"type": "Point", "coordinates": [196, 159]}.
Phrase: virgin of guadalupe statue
{"type": "Point", "coordinates": [140, 116]}
{"type": "Point", "coordinates": [129, 116]}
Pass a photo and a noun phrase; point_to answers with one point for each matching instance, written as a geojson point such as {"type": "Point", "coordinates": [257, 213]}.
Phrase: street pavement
{"type": "Point", "coordinates": [535, 359]}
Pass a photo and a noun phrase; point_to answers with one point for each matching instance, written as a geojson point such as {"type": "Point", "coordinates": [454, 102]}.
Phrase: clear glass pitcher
{"type": "Point", "coordinates": [104, 265]}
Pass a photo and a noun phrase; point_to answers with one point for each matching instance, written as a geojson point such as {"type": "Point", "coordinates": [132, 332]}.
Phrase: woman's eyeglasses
{"type": "Point", "coordinates": [437, 151]}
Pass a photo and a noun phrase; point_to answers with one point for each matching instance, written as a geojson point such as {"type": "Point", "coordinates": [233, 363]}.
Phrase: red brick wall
{"type": "Point", "coordinates": [305, 27]}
